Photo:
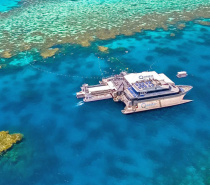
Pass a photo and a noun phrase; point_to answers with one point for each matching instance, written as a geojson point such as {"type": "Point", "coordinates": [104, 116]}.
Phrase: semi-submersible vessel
{"type": "Point", "coordinates": [138, 91]}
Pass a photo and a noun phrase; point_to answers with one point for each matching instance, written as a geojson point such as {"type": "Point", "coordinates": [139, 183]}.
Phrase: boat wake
{"type": "Point", "coordinates": [80, 103]}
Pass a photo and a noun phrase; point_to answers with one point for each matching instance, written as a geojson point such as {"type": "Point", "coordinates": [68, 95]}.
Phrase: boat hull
{"type": "Point", "coordinates": [80, 94]}
{"type": "Point", "coordinates": [97, 98]}
{"type": "Point", "coordinates": [156, 104]}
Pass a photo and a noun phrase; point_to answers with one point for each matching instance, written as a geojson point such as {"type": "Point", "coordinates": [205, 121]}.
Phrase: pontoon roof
{"type": "Point", "coordinates": [182, 72]}
{"type": "Point", "coordinates": [134, 77]}
{"type": "Point", "coordinates": [110, 86]}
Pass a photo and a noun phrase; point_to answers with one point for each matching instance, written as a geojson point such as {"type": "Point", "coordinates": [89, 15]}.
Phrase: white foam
{"type": "Point", "coordinates": [80, 103]}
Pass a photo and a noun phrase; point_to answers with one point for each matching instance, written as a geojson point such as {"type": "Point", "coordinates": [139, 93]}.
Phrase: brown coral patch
{"type": "Point", "coordinates": [49, 52]}
{"type": "Point", "coordinates": [104, 34]}
{"type": "Point", "coordinates": [181, 26]}
{"type": "Point", "coordinates": [85, 43]}
{"type": "Point", "coordinates": [8, 140]}
{"type": "Point", "coordinates": [103, 49]}
{"type": "Point", "coordinates": [205, 23]}
{"type": "Point", "coordinates": [6, 54]}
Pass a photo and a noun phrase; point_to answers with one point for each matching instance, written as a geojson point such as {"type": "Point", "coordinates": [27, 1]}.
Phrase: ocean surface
{"type": "Point", "coordinates": [67, 141]}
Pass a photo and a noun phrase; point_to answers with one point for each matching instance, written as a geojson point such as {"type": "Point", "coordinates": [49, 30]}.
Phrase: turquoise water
{"type": "Point", "coordinates": [6, 5]}
{"type": "Point", "coordinates": [71, 142]}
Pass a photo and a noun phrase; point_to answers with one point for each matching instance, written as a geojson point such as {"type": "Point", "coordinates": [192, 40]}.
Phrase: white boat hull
{"type": "Point", "coordinates": [156, 104]}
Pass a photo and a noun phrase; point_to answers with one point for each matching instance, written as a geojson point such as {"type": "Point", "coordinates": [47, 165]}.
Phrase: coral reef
{"type": "Point", "coordinates": [103, 49]}
{"type": "Point", "coordinates": [42, 25]}
{"type": "Point", "coordinates": [49, 52]}
{"type": "Point", "coordinates": [181, 26]}
{"type": "Point", "coordinates": [205, 23]}
{"type": "Point", "coordinates": [6, 54]}
{"type": "Point", "coordinates": [172, 35]}
{"type": "Point", "coordinates": [8, 140]}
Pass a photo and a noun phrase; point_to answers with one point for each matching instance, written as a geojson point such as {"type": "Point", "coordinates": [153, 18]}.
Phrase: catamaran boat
{"type": "Point", "coordinates": [138, 91]}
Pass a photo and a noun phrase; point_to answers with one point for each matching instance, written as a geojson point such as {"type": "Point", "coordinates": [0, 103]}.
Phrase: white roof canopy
{"type": "Point", "coordinates": [110, 86]}
{"type": "Point", "coordinates": [134, 77]}
{"type": "Point", "coordinates": [182, 72]}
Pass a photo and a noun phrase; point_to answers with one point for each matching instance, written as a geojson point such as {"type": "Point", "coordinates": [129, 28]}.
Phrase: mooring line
{"type": "Point", "coordinates": [63, 75]}
{"type": "Point", "coordinates": [75, 76]}
{"type": "Point", "coordinates": [99, 65]}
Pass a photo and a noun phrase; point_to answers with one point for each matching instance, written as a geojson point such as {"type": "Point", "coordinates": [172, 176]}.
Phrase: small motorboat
{"type": "Point", "coordinates": [181, 74]}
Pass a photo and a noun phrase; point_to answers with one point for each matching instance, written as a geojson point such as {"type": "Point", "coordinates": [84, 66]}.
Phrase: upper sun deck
{"type": "Point", "coordinates": [150, 88]}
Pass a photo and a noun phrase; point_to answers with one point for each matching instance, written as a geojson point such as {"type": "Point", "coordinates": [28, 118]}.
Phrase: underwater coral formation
{"type": "Point", "coordinates": [8, 140]}
{"type": "Point", "coordinates": [49, 52]}
{"type": "Point", "coordinates": [41, 25]}
{"type": "Point", "coordinates": [205, 23]}
{"type": "Point", "coordinates": [103, 49]}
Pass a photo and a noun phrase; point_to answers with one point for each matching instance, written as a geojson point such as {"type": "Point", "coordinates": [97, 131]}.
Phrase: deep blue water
{"type": "Point", "coordinates": [68, 142]}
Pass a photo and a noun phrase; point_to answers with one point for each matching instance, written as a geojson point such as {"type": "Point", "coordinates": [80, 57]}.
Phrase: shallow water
{"type": "Point", "coordinates": [67, 141]}
{"type": "Point", "coordinates": [41, 24]}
